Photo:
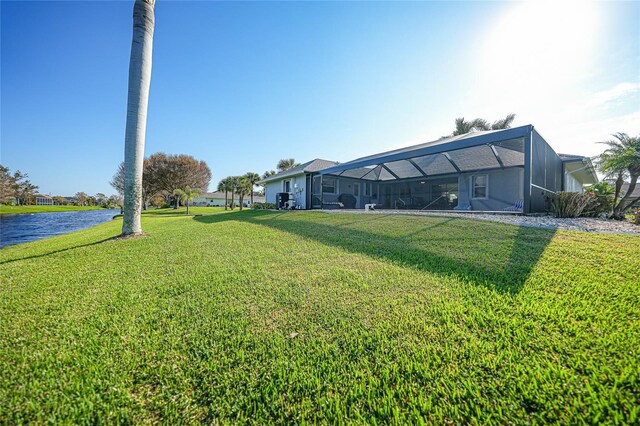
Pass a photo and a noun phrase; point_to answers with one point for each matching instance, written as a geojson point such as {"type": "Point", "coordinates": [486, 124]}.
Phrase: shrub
{"type": "Point", "coordinates": [263, 206]}
{"type": "Point", "coordinates": [572, 204]}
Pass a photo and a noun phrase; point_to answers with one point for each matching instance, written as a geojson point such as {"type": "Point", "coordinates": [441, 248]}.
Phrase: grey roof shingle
{"type": "Point", "coordinates": [308, 167]}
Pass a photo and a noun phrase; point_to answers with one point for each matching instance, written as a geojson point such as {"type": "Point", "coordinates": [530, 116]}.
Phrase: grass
{"type": "Point", "coordinates": [4, 209]}
{"type": "Point", "coordinates": [399, 319]}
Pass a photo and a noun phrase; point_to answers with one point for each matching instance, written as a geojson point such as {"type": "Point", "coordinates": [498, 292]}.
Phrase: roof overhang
{"type": "Point", "coordinates": [582, 169]}
{"type": "Point", "coordinates": [280, 177]}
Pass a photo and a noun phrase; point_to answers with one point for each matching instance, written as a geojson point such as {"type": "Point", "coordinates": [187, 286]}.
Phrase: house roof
{"type": "Point", "coordinates": [580, 167]}
{"type": "Point", "coordinates": [308, 167]}
{"type": "Point", "coordinates": [634, 194]}
{"type": "Point", "coordinates": [449, 155]}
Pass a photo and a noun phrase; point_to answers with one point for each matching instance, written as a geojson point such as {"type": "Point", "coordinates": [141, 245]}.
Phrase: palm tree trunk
{"type": "Point", "coordinates": [137, 103]}
{"type": "Point", "coordinates": [621, 207]}
{"type": "Point", "coordinates": [226, 200]}
{"type": "Point", "coordinates": [187, 206]}
{"type": "Point", "coordinates": [232, 198]}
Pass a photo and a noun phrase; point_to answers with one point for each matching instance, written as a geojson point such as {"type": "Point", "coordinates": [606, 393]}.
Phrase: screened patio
{"type": "Point", "coordinates": [478, 171]}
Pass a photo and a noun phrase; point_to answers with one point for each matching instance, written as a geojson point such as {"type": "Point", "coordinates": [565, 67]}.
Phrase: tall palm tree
{"type": "Point", "coordinates": [225, 185]}
{"type": "Point", "coordinates": [268, 173]}
{"type": "Point", "coordinates": [286, 164]}
{"type": "Point", "coordinates": [504, 123]}
{"type": "Point", "coordinates": [463, 126]}
{"type": "Point", "coordinates": [187, 195]}
{"type": "Point", "coordinates": [622, 159]}
{"type": "Point", "coordinates": [233, 184]}
{"type": "Point", "coordinates": [137, 103]}
{"type": "Point", "coordinates": [253, 178]}
{"type": "Point", "coordinates": [242, 187]}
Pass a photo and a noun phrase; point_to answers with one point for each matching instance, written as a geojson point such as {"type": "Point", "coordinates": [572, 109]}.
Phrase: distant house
{"type": "Point", "coordinates": [216, 199]}
{"type": "Point", "coordinates": [511, 169]}
{"type": "Point", "coordinates": [625, 188]}
{"type": "Point", "coordinates": [44, 200]}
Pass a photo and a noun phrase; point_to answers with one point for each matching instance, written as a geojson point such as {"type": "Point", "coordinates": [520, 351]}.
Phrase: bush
{"type": "Point", "coordinates": [263, 206]}
{"type": "Point", "coordinates": [572, 204]}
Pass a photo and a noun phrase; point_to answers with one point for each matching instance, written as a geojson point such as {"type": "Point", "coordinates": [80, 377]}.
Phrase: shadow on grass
{"type": "Point", "coordinates": [490, 254]}
{"type": "Point", "coordinates": [49, 253]}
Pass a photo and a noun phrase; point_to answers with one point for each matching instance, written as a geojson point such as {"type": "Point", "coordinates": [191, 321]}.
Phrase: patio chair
{"type": "Point", "coordinates": [463, 206]}
{"type": "Point", "coordinates": [516, 207]}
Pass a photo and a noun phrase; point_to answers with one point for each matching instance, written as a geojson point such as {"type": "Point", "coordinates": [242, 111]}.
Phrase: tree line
{"type": "Point", "coordinates": [16, 188]}
{"type": "Point", "coordinates": [163, 175]}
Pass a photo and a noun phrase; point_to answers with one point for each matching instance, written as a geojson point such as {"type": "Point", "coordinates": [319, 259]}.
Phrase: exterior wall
{"type": "Point", "coordinates": [299, 194]}
{"type": "Point", "coordinates": [219, 202]}
{"type": "Point", "coordinates": [572, 184]}
{"type": "Point", "coordinates": [505, 187]}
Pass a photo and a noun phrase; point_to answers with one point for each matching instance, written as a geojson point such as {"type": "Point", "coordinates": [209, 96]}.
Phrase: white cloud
{"type": "Point", "coordinates": [606, 96]}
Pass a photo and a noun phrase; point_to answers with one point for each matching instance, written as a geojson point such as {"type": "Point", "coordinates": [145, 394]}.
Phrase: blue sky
{"type": "Point", "coordinates": [241, 84]}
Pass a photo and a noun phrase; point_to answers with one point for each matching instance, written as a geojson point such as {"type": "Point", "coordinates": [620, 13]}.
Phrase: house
{"type": "Point", "coordinates": [480, 171]}
{"type": "Point", "coordinates": [44, 200]}
{"type": "Point", "coordinates": [216, 199]}
{"type": "Point", "coordinates": [625, 188]}
{"type": "Point", "coordinates": [295, 181]}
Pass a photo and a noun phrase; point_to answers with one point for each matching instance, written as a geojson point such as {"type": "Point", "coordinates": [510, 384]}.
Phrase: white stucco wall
{"type": "Point", "coordinates": [276, 186]}
{"type": "Point", "coordinates": [571, 184]}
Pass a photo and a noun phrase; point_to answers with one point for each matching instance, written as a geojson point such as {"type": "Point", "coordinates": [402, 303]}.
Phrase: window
{"type": "Point", "coordinates": [479, 187]}
{"type": "Point", "coordinates": [286, 185]}
{"type": "Point", "coordinates": [367, 189]}
{"type": "Point", "coordinates": [328, 185]}
{"type": "Point", "coordinates": [356, 189]}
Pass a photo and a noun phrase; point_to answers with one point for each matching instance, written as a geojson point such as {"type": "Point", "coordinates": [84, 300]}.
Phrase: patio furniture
{"type": "Point", "coordinates": [463, 206]}
{"type": "Point", "coordinates": [516, 207]}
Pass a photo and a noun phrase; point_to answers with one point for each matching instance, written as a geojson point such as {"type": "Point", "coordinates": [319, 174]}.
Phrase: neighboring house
{"type": "Point", "coordinates": [216, 199]}
{"type": "Point", "coordinates": [44, 200]}
{"type": "Point", "coordinates": [295, 181]}
{"type": "Point", "coordinates": [482, 171]}
{"type": "Point", "coordinates": [625, 188]}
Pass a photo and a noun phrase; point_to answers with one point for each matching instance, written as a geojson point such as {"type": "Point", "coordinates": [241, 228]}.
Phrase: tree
{"type": "Point", "coordinates": [59, 200]}
{"type": "Point", "coordinates": [186, 195]}
{"type": "Point", "coordinates": [253, 178]}
{"type": "Point", "coordinates": [463, 126]}
{"type": "Point", "coordinates": [101, 199]}
{"type": "Point", "coordinates": [286, 164]}
{"type": "Point", "coordinates": [7, 186]}
{"type": "Point", "coordinates": [226, 186]}
{"type": "Point", "coordinates": [163, 173]}
{"type": "Point", "coordinates": [620, 160]}
{"type": "Point", "coordinates": [242, 187]}
{"type": "Point", "coordinates": [81, 198]}
{"type": "Point", "coordinates": [137, 103]}
{"type": "Point", "coordinates": [233, 182]}
{"type": "Point", "coordinates": [268, 173]}
{"type": "Point", "coordinates": [504, 123]}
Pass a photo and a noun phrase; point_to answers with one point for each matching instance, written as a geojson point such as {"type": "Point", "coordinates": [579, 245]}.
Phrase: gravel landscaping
{"type": "Point", "coordinates": [587, 224]}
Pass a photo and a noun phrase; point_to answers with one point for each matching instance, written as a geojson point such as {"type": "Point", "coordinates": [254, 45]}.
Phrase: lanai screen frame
{"type": "Point", "coordinates": [541, 163]}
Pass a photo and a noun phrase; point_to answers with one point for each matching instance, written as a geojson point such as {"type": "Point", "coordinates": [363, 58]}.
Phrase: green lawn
{"type": "Point", "coordinates": [400, 319]}
{"type": "Point", "coordinates": [43, 209]}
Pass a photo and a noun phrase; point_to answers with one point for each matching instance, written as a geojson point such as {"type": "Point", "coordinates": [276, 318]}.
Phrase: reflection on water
{"type": "Point", "coordinates": [22, 228]}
